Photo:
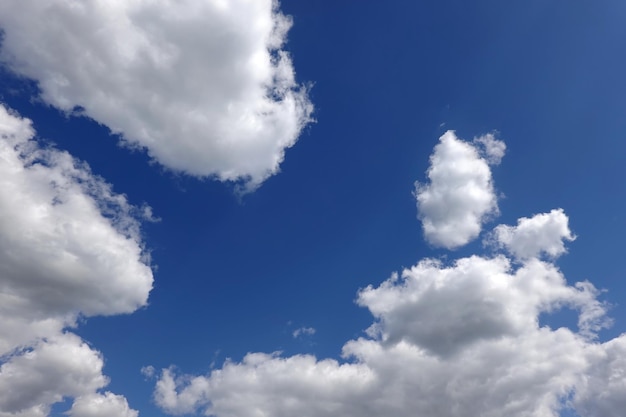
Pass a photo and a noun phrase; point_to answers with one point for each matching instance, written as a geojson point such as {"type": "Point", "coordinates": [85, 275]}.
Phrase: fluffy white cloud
{"type": "Point", "coordinates": [460, 195]}
{"type": "Point", "coordinates": [69, 246]}
{"type": "Point", "coordinates": [268, 385]}
{"type": "Point", "coordinates": [541, 234]}
{"type": "Point", "coordinates": [204, 86]}
{"type": "Point", "coordinates": [54, 368]}
{"type": "Point", "coordinates": [603, 390]}
{"type": "Point", "coordinates": [444, 309]}
{"type": "Point", "coordinates": [449, 340]}
{"type": "Point", "coordinates": [101, 405]}
{"type": "Point", "coordinates": [453, 339]}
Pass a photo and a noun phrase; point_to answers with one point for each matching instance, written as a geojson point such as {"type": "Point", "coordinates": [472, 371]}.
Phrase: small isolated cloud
{"type": "Point", "coordinates": [303, 331]}
{"type": "Point", "coordinates": [459, 196]}
{"type": "Point", "coordinates": [448, 340]}
{"type": "Point", "coordinates": [492, 149]}
{"type": "Point", "coordinates": [148, 371]}
{"type": "Point", "coordinates": [205, 86]}
{"type": "Point", "coordinates": [541, 234]}
{"type": "Point", "coordinates": [69, 246]}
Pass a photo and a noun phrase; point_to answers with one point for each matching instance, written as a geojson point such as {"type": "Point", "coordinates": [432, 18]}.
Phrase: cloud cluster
{"type": "Point", "coordinates": [448, 340]}
{"type": "Point", "coordinates": [69, 247]}
{"type": "Point", "coordinates": [205, 86]}
{"type": "Point", "coordinates": [460, 194]}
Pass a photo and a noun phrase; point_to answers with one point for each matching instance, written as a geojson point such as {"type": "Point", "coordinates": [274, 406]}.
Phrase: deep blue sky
{"type": "Point", "coordinates": [236, 275]}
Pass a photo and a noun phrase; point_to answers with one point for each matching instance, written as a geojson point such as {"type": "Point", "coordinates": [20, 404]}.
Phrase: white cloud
{"type": "Point", "coordinates": [541, 234]}
{"type": "Point", "coordinates": [460, 195]}
{"type": "Point", "coordinates": [265, 385]}
{"type": "Point", "coordinates": [101, 405]}
{"type": "Point", "coordinates": [603, 390]}
{"type": "Point", "coordinates": [204, 86]}
{"type": "Point", "coordinates": [61, 366]}
{"type": "Point", "coordinates": [445, 308]}
{"type": "Point", "coordinates": [69, 246]}
{"type": "Point", "coordinates": [456, 340]}
{"type": "Point", "coordinates": [448, 340]}
{"type": "Point", "coordinates": [303, 331]}
{"type": "Point", "coordinates": [493, 149]}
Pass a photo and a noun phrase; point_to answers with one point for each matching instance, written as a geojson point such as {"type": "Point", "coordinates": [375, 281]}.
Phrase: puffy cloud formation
{"type": "Point", "coordinates": [461, 338]}
{"type": "Point", "coordinates": [69, 246]}
{"type": "Point", "coordinates": [444, 309]}
{"type": "Point", "coordinates": [601, 393]}
{"type": "Point", "coordinates": [449, 340]}
{"type": "Point", "coordinates": [101, 405]}
{"type": "Point", "coordinates": [204, 86]}
{"type": "Point", "coordinates": [541, 234]}
{"type": "Point", "coordinates": [460, 195]}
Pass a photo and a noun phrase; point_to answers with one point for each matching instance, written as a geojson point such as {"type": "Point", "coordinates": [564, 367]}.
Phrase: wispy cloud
{"type": "Point", "coordinates": [303, 331]}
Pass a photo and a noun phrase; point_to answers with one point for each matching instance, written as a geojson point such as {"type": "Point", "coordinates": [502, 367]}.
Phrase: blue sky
{"type": "Point", "coordinates": [281, 180]}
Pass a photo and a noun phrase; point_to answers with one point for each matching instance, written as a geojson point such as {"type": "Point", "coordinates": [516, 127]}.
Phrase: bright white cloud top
{"type": "Point", "coordinates": [460, 195]}
{"type": "Point", "coordinates": [69, 247]}
{"type": "Point", "coordinates": [449, 339]}
{"type": "Point", "coordinates": [204, 86]}
{"type": "Point", "coordinates": [541, 234]}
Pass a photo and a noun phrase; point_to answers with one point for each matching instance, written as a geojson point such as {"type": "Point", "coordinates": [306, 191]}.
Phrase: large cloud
{"type": "Point", "coordinates": [69, 246]}
{"type": "Point", "coordinates": [461, 338]}
{"type": "Point", "coordinates": [450, 341]}
{"type": "Point", "coordinates": [205, 86]}
{"type": "Point", "coordinates": [460, 195]}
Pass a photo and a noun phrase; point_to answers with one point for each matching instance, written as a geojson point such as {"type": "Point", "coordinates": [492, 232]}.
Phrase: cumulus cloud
{"type": "Point", "coordinates": [448, 340]}
{"type": "Point", "coordinates": [445, 308]}
{"type": "Point", "coordinates": [69, 247]}
{"type": "Point", "coordinates": [205, 86]}
{"type": "Point", "coordinates": [459, 196]}
{"type": "Point", "coordinates": [54, 368]}
{"type": "Point", "coordinates": [101, 405]}
{"type": "Point", "coordinates": [541, 234]}
{"type": "Point", "coordinates": [601, 392]}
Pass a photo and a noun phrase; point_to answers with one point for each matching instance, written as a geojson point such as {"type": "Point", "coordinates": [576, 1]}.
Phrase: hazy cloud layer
{"type": "Point", "coordinates": [459, 196]}
{"type": "Point", "coordinates": [205, 86]}
{"type": "Point", "coordinates": [69, 246]}
{"type": "Point", "coordinates": [453, 339]}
